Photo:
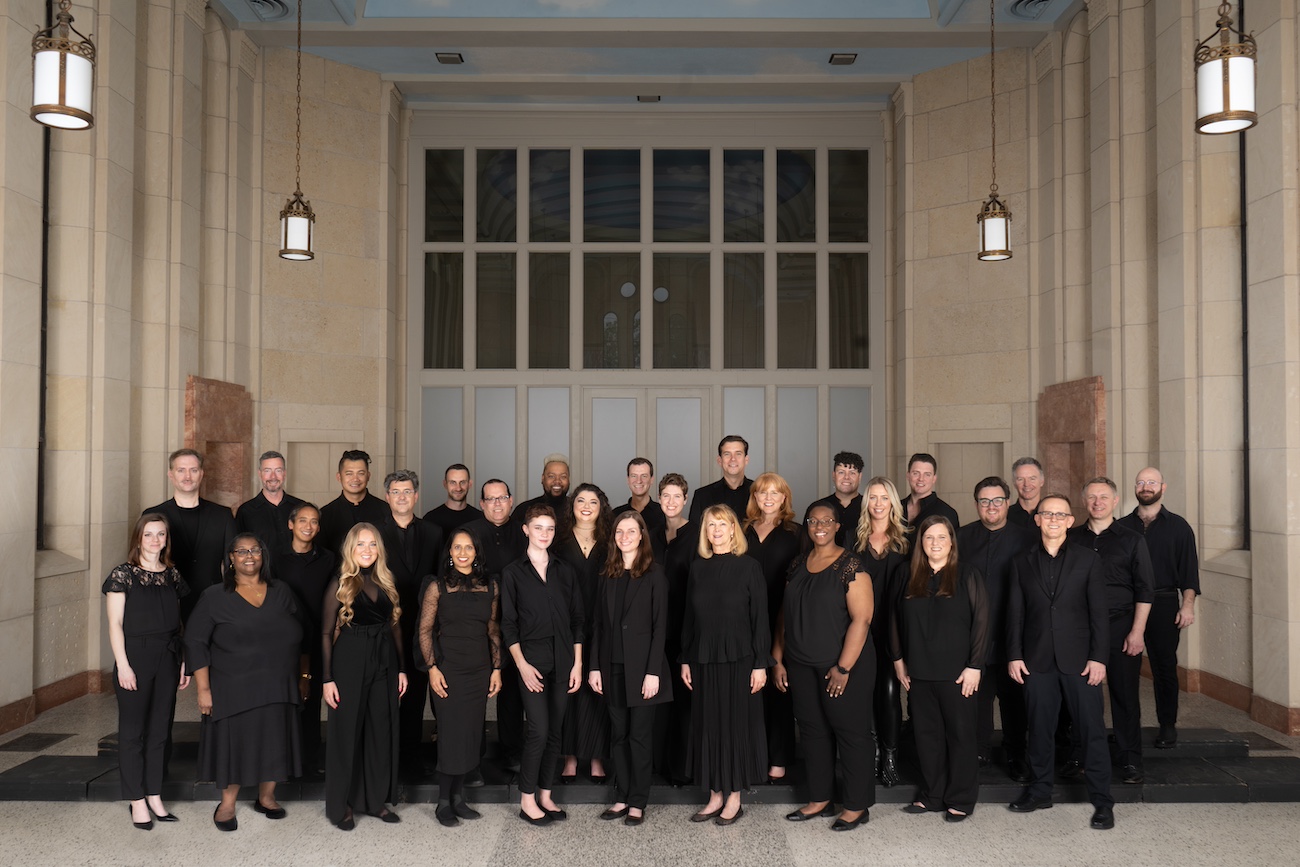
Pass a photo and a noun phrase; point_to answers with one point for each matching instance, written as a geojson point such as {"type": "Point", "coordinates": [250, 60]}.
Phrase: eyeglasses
{"type": "Point", "coordinates": [985, 502]}
{"type": "Point", "coordinates": [249, 552]}
{"type": "Point", "coordinates": [1143, 483]}
{"type": "Point", "coordinates": [1054, 516]}
{"type": "Point", "coordinates": [496, 500]}
{"type": "Point", "coordinates": [828, 522]}
{"type": "Point", "coordinates": [401, 492]}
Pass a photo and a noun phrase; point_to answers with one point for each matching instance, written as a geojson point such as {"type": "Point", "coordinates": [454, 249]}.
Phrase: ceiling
{"type": "Point", "coordinates": [594, 52]}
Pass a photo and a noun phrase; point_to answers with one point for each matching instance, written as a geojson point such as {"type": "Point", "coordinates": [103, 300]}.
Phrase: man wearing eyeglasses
{"type": "Point", "coordinates": [1058, 639]}
{"type": "Point", "coordinates": [1129, 594]}
{"type": "Point", "coordinates": [990, 544]}
{"type": "Point", "coordinates": [266, 515]}
{"type": "Point", "coordinates": [200, 530]}
{"type": "Point", "coordinates": [1172, 547]}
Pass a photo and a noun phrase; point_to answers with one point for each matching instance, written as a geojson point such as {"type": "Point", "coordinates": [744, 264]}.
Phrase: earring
{"type": "Point", "coordinates": [451, 561]}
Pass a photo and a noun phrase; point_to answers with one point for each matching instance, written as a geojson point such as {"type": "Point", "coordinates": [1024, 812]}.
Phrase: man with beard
{"type": "Point", "coordinates": [266, 515]}
{"type": "Point", "coordinates": [922, 476]}
{"type": "Point", "coordinates": [732, 490]}
{"type": "Point", "coordinates": [354, 505]}
{"type": "Point", "coordinates": [846, 475]}
{"type": "Point", "coordinates": [640, 479]}
{"type": "Point", "coordinates": [456, 511]}
{"type": "Point", "coordinates": [1172, 545]}
{"type": "Point", "coordinates": [1027, 476]}
{"type": "Point", "coordinates": [555, 491]}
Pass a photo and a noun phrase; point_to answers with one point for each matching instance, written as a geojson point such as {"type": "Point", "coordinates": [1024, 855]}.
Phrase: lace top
{"type": "Point", "coordinates": [152, 599]}
{"type": "Point", "coordinates": [459, 623]}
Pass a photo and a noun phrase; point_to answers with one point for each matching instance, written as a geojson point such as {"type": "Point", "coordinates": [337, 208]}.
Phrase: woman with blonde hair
{"type": "Point", "coordinates": [774, 541]}
{"type": "Point", "coordinates": [882, 544]}
{"type": "Point", "coordinates": [726, 651]}
{"type": "Point", "coordinates": [363, 680]}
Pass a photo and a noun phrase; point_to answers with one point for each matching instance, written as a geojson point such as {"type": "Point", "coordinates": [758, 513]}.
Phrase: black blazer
{"type": "Point", "coordinates": [644, 624]}
{"type": "Point", "coordinates": [199, 559]}
{"type": "Point", "coordinates": [409, 572]}
{"type": "Point", "coordinates": [1063, 631]}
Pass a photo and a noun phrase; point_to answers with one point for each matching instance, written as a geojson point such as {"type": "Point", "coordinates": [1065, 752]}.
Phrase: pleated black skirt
{"type": "Point", "coordinates": [257, 746]}
{"type": "Point", "coordinates": [586, 725]}
{"type": "Point", "coordinates": [728, 739]}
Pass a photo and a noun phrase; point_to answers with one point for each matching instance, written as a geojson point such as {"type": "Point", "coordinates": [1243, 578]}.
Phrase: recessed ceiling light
{"type": "Point", "coordinates": [450, 58]}
{"type": "Point", "coordinates": [843, 59]}
{"type": "Point", "coordinates": [648, 98]}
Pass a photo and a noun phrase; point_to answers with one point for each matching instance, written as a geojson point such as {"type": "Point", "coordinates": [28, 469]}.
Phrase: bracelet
{"type": "Point", "coordinates": [841, 669]}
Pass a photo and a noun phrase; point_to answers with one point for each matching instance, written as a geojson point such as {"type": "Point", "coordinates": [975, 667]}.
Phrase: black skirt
{"type": "Point", "coordinates": [257, 746]}
{"type": "Point", "coordinates": [728, 739]}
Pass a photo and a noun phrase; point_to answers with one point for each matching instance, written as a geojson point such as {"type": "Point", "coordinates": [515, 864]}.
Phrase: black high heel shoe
{"type": "Point", "coordinates": [164, 817]}
{"type": "Point", "coordinates": [143, 826]}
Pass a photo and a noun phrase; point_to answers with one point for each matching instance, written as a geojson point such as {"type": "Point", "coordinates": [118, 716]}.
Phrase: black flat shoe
{"type": "Point", "coordinates": [230, 824]}
{"type": "Point", "coordinates": [718, 820]}
{"type": "Point", "coordinates": [611, 814]}
{"type": "Point", "coordinates": [346, 824]}
{"type": "Point", "coordinates": [143, 826]}
{"type": "Point", "coordinates": [388, 816]}
{"type": "Point", "coordinates": [917, 809]}
{"type": "Point", "coordinates": [465, 811]}
{"type": "Point", "coordinates": [446, 816]}
{"type": "Point", "coordinates": [847, 825]}
{"type": "Point", "coordinates": [633, 821]}
{"type": "Point", "coordinates": [1027, 804]}
{"type": "Point", "coordinates": [544, 820]}
{"type": "Point", "coordinates": [801, 816]}
{"type": "Point", "coordinates": [1103, 819]}
{"type": "Point", "coordinates": [704, 817]}
{"type": "Point", "coordinates": [277, 813]}
{"type": "Point", "coordinates": [955, 817]}
{"type": "Point", "coordinates": [166, 817]}
{"type": "Point", "coordinates": [556, 815]}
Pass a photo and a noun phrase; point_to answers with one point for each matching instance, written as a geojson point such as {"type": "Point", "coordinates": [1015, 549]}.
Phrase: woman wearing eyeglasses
{"type": "Point", "coordinates": [244, 642]}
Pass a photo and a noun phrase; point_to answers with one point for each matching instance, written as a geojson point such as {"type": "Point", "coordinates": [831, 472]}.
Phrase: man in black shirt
{"type": "Point", "coordinates": [1129, 594]}
{"type": "Point", "coordinates": [640, 479]}
{"type": "Point", "coordinates": [555, 490]}
{"type": "Point", "coordinates": [200, 530]}
{"type": "Point", "coordinates": [456, 511]}
{"type": "Point", "coordinates": [354, 505]}
{"type": "Point", "coordinates": [1172, 546]}
{"type": "Point", "coordinates": [846, 475]}
{"type": "Point", "coordinates": [266, 515]}
{"type": "Point", "coordinates": [922, 476]}
{"type": "Point", "coordinates": [412, 548]}
{"type": "Point", "coordinates": [1027, 476]}
{"type": "Point", "coordinates": [732, 490]}
{"type": "Point", "coordinates": [990, 544]}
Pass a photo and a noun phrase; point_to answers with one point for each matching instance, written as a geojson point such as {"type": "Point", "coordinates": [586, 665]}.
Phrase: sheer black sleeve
{"type": "Point", "coordinates": [396, 626]}
{"type": "Point", "coordinates": [328, 624]}
{"type": "Point", "coordinates": [427, 658]}
{"type": "Point", "coordinates": [494, 626]}
{"type": "Point", "coordinates": [979, 618]}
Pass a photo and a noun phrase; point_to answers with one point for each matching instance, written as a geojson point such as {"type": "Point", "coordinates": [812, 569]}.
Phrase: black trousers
{"type": "Point", "coordinates": [888, 704]}
{"type": "Point", "coordinates": [1162, 639]}
{"type": "Point", "coordinates": [510, 711]}
{"type": "Point", "coordinates": [144, 715]}
{"type": "Point", "coordinates": [1044, 691]}
{"type": "Point", "coordinates": [778, 718]}
{"type": "Point", "coordinates": [361, 751]}
{"type": "Point", "coordinates": [411, 722]}
{"type": "Point", "coordinates": [544, 712]}
{"type": "Point", "coordinates": [998, 684]}
{"type": "Point", "coordinates": [1123, 681]}
{"type": "Point", "coordinates": [827, 723]}
{"type": "Point", "coordinates": [631, 741]}
{"type": "Point", "coordinates": [945, 722]}
{"type": "Point", "coordinates": [312, 758]}
{"type": "Point", "coordinates": [672, 735]}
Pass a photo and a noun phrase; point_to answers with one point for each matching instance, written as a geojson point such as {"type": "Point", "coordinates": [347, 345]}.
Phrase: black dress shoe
{"type": "Point", "coordinates": [541, 821]}
{"type": "Point", "coordinates": [1028, 804]}
{"type": "Point", "coordinates": [950, 816]}
{"type": "Point", "coordinates": [387, 816]}
{"type": "Point", "coordinates": [446, 815]}
{"type": "Point", "coordinates": [346, 824]}
{"type": "Point", "coordinates": [463, 810]}
{"type": "Point", "coordinates": [556, 815]}
{"type": "Point", "coordinates": [801, 816]}
{"type": "Point", "coordinates": [917, 809]}
{"type": "Point", "coordinates": [1071, 770]}
{"type": "Point", "coordinates": [1131, 774]}
{"type": "Point", "coordinates": [166, 817]}
{"type": "Point", "coordinates": [984, 761]}
{"type": "Point", "coordinates": [230, 824]}
{"type": "Point", "coordinates": [611, 814]}
{"type": "Point", "coordinates": [846, 825]}
{"type": "Point", "coordinates": [1103, 819]}
{"type": "Point", "coordinates": [704, 817]}
{"type": "Point", "coordinates": [719, 820]}
{"type": "Point", "coordinates": [268, 812]}
{"type": "Point", "coordinates": [1167, 738]}
{"type": "Point", "coordinates": [632, 821]}
{"type": "Point", "coordinates": [143, 826]}
{"type": "Point", "coordinates": [1018, 770]}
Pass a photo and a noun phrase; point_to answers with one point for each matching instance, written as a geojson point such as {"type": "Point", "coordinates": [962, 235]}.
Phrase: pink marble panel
{"type": "Point", "coordinates": [219, 423]}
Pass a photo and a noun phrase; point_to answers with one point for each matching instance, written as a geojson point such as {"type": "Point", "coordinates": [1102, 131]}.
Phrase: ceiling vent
{"type": "Point", "coordinates": [1029, 10]}
{"type": "Point", "coordinates": [269, 10]}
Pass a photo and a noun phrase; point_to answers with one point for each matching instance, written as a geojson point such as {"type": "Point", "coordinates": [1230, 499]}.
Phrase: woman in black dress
{"type": "Point", "coordinates": [142, 597]}
{"type": "Point", "coordinates": [628, 664]}
{"type": "Point", "coordinates": [542, 627]}
{"type": "Point", "coordinates": [362, 667]}
{"type": "Point", "coordinates": [827, 663]}
{"type": "Point", "coordinates": [675, 546]}
{"type": "Point", "coordinates": [938, 640]}
{"type": "Point", "coordinates": [460, 647]}
{"type": "Point", "coordinates": [726, 648]}
{"type": "Point", "coordinates": [244, 642]}
{"type": "Point", "coordinates": [773, 540]}
{"type": "Point", "coordinates": [882, 543]}
{"type": "Point", "coordinates": [582, 541]}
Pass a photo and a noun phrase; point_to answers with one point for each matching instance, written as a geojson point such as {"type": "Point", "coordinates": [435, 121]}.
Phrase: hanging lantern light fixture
{"type": "Point", "coordinates": [1225, 79]}
{"type": "Point", "coordinates": [63, 74]}
{"type": "Point", "coordinates": [297, 220]}
{"type": "Point", "coordinates": [994, 218]}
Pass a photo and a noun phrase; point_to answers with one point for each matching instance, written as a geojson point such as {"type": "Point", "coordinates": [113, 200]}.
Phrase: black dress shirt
{"type": "Point", "coordinates": [653, 515]}
{"type": "Point", "coordinates": [341, 514]}
{"type": "Point", "coordinates": [930, 505]}
{"type": "Point", "coordinates": [991, 552]}
{"type": "Point", "coordinates": [451, 519]}
{"type": "Point", "coordinates": [1172, 546]}
{"type": "Point", "coordinates": [545, 618]}
{"type": "Point", "coordinates": [719, 493]}
{"type": "Point", "coordinates": [199, 539]}
{"type": "Point", "coordinates": [267, 521]}
{"type": "Point", "coordinates": [499, 545]}
{"type": "Point", "coordinates": [1125, 563]}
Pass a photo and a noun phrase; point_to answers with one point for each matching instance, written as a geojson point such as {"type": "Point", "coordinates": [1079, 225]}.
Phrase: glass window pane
{"type": "Point", "coordinates": [681, 207]}
{"type": "Point", "coordinates": [496, 311]}
{"type": "Point", "coordinates": [742, 286]}
{"type": "Point", "coordinates": [444, 311]}
{"type": "Point", "coordinates": [848, 298]}
{"type": "Point", "coordinates": [548, 195]}
{"type": "Point", "coordinates": [796, 310]}
{"type": "Point", "coordinates": [681, 305]}
{"type": "Point", "coordinates": [548, 311]}
{"type": "Point", "coordinates": [611, 195]}
{"type": "Point", "coordinates": [444, 195]}
{"type": "Point", "coordinates": [796, 196]}
{"type": "Point", "coordinates": [742, 195]}
{"type": "Point", "coordinates": [498, 195]}
{"type": "Point", "coordinates": [847, 185]}
{"type": "Point", "coordinates": [611, 311]}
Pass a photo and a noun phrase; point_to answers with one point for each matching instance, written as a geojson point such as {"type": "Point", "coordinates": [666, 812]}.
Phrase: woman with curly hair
{"type": "Point", "coordinates": [363, 680]}
{"type": "Point", "coordinates": [881, 544]}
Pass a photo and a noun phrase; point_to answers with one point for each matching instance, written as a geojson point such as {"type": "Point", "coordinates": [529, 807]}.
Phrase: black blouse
{"type": "Point", "coordinates": [939, 636]}
{"type": "Point", "coordinates": [817, 610]}
{"type": "Point", "coordinates": [371, 607]}
{"type": "Point", "coordinates": [587, 572]}
{"type": "Point", "coordinates": [152, 599]}
{"type": "Point", "coordinates": [726, 612]}
{"type": "Point", "coordinates": [774, 554]}
{"type": "Point", "coordinates": [540, 612]}
{"type": "Point", "coordinates": [676, 557]}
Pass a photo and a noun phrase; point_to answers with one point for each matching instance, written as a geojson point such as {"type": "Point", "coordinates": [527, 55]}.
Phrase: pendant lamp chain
{"type": "Point", "coordinates": [297, 133]}
{"type": "Point", "coordinates": [994, 218]}
{"type": "Point", "coordinates": [297, 220]}
{"type": "Point", "coordinates": [993, 102]}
